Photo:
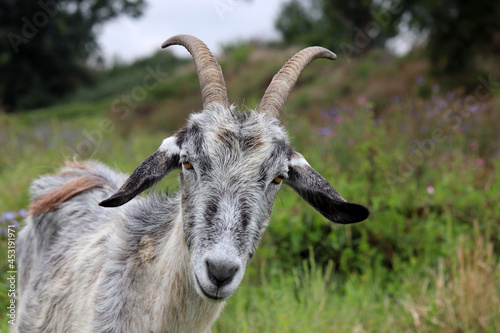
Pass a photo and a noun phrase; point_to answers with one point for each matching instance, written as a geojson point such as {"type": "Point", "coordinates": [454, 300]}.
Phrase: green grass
{"type": "Point", "coordinates": [427, 259]}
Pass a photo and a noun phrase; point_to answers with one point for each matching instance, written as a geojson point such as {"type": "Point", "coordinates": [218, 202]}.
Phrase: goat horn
{"type": "Point", "coordinates": [213, 87]}
{"type": "Point", "coordinates": [277, 92]}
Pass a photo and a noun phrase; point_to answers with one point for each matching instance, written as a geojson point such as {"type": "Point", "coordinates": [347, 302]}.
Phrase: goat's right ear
{"type": "Point", "coordinates": [154, 168]}
{"type": "Point", "coordinates": [316, 191]}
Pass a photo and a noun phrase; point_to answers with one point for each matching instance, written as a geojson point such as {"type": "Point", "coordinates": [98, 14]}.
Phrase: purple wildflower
{"type": "Point", "coordinates": [334, 110]}
{"type": "Point", "coordinates": [396, 99]}
{"type": "Point", "coordinates": [442, 104]}
{"type": "Point", "coordinates": [474, 108]}
{"type": "Point", "coordinates": [9, 216]}
{"type": "Point", "coordinates": [22, 212]}
{"type": "Point", "coordinates": [325, 131]}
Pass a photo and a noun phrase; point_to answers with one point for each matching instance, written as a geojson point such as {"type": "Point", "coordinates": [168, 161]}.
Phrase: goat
{"type": "Point", "coordinates": [160, 263]}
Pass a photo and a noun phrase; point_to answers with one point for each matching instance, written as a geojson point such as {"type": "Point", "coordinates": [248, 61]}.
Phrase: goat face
{"type": "Point", "coordinates": [232, 167]}
{"type": "Point", "coordinates": [233, 164]}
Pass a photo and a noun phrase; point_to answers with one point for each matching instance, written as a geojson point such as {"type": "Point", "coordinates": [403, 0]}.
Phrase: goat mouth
{"type": "Point", "coordinates": [209, 296]}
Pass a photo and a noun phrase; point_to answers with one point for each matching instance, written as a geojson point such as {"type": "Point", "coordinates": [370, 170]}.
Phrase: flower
{"type": "Point", "coordinates": [430, 189]}
{"type": "Point", "coordinates": [361, 100]}
{"type": "Point", "coordinates": [9, 216]}
{"type": "Point", "coordinates": [334, 110]}
{"type": "Point", "coordinates": [480, 162]}
{"type": "Point", "coordinates": [325, 131]}
{"type": "Point", "coordinates": [396, 99]}
{"type": "Point", "coordinates": [474, 108]}
{"type": "Point", "coordinates": [442, 104]}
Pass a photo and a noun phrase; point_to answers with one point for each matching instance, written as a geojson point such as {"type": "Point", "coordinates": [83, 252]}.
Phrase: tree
{"type": "Point", "coordinates": [353, 27]}
{"type": "Point", "coordinates": [46, 45]}
{"type": "Point", "coordinates": [458, 31]}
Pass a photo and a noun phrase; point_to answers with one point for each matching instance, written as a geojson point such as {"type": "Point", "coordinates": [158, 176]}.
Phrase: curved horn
{"type": "Point", "coordinates": [282, 84]}
{"type": "Point", "coordinates": [213, 87]}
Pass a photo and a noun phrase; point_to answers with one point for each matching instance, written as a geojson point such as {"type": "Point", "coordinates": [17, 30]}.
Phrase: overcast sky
{"type": "Point", "coordinates": [213, 21]}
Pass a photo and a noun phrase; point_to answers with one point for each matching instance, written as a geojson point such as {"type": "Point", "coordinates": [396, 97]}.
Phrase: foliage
{"type": "Point", "coordinates": [459, 34]}
{"type": "Point", "coordinates": [120, 78]}
{"type": "Point", "coordinates": [336, 24]}
{"type": "Point", "coordinates": [47, 44]}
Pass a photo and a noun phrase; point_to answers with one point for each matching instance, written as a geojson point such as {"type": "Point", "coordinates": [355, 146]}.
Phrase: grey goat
{"type": "Point", "coordinates": [160, 263]}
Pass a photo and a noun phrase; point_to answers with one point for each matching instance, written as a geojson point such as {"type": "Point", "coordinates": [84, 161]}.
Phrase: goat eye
{"type": "Point", "coordinates": [187, 165]}
{"type": "Point", "coordinates": [278, 179]}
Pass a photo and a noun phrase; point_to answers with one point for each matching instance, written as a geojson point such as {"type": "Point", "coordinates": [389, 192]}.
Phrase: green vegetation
{"type": "Point", "coordinates": [426, 162]}
{"type": "Point", "coordinates": [46, 46]}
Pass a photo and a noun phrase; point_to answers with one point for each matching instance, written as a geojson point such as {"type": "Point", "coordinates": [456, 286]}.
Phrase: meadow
{"type": "Point", "coordinates": [424, 159]}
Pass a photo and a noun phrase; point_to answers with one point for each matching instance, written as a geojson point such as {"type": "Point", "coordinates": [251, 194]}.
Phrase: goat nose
{"type": "Point", "coordinates": [221, 273]}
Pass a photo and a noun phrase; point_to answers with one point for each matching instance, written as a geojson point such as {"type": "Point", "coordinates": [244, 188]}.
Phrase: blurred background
{"type": "Point", "coordinates": [406, 121]}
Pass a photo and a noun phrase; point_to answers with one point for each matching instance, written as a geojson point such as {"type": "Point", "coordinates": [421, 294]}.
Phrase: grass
{"type": "Point", "coordinates": [426, 164]}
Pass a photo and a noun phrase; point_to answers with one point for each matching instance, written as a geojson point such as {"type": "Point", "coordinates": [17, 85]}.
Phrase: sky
{"type": "Point", "coordinates": [213, 21]}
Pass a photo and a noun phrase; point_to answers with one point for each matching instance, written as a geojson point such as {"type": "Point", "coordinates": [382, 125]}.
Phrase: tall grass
{"type": "Point", "coordinates": [457, 294]}
{"type": "Point", "coordinates": [462, 293]}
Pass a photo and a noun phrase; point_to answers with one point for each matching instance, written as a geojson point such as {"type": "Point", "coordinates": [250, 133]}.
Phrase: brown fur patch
{"type": "Point", "coordinates": [50, 201]}
{"type": "Point", "coordinates": [251, 142]}
{"type": "Point", "coordinates": [228, 138]}
{"type": "Point", "coordinates": [74, 168]}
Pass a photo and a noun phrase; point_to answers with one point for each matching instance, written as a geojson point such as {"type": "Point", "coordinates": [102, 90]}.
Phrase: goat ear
{"type": "Point", "coordinates": [154, 168]}
{"type": "Point", "coordinates": [316, 191]}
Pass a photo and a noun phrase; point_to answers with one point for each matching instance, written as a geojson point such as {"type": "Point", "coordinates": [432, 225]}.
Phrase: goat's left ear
{"type": "Point", "coordinates": [314, 189]}
{"type": "Point", "coordinates": [154, 168]}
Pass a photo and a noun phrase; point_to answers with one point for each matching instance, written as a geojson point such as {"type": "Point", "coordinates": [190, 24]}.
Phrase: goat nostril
{"type": "Point", "coordinates": [221, 274]}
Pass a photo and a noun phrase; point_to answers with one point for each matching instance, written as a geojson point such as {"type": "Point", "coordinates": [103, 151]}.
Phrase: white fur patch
{"type": "Point", "coordinates": [298, 160]}
{"type": "Point", "coordinates": [169, 146]}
